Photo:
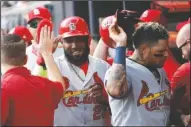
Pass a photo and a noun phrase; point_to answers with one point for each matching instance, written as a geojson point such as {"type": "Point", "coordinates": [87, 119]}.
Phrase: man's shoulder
{"type": "Point", "coordinates": [133, 65]}
{"type": "Point", "coordinates": [184, 68]}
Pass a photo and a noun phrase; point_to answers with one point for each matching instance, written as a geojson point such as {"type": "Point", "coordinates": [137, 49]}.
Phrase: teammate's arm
{"type": "Point", "coordinates": [101, 46]}
{"type": "Point", "coordinates": [116, 84]}
{"type": "Point", "coordinates": [45, 48]}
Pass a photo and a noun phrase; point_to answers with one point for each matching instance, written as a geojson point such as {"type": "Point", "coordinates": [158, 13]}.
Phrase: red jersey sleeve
{"type": "Point", "coordinates": [57, 92]}
{"type": "Point", "coordinates": [4, 106]}
{"type": "Point", "coordinates": [180, 77]}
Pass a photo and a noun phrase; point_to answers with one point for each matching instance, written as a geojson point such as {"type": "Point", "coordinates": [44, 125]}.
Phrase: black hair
{"type": "Point", "coordinates": [149, 33]}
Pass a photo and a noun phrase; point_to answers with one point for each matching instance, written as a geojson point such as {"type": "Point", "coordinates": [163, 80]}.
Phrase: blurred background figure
{"type": "Point", "coordinates": [180, 114]}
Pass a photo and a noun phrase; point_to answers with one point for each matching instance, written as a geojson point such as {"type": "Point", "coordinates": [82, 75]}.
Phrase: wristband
{"type": "Point", "coordinates": [120, 55]}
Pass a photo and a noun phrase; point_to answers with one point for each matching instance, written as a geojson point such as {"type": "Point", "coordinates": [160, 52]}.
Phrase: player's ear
{"type": "Point", "coordinates": [144, 50]}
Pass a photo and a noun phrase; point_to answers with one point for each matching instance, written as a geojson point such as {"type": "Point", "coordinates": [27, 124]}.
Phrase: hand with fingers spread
{"type": "Point", "coordinates": [117, 34]}
{"type": "Point", "coordinates": [46, 41]}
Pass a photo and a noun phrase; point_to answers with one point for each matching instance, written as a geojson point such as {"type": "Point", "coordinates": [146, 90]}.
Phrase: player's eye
{"type": "Point", "coordinates": [158, 55]}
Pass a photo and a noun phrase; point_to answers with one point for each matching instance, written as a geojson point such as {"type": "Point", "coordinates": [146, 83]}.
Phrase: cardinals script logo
{"type": "Point", "coordinates": [152, 101]}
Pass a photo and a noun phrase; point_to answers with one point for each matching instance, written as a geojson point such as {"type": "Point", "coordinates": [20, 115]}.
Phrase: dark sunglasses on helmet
{"type": "Point", "coordinates": [33, 24]}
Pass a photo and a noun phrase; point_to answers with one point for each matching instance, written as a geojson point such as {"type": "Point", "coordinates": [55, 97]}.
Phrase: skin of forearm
{"type": "Point", "coordinates": [103, 48]}
{"type": "Point", "coordinates": [52, 69]}
{"type": "Point", "coordinates": [116, 83]}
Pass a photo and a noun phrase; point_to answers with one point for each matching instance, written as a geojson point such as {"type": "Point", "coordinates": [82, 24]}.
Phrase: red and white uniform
{"type": "Point", "coordinates": [76, 108]}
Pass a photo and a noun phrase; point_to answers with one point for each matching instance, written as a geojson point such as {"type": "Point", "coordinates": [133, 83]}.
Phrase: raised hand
{"type": "Point", "coordinates": [117, 34]}
{"type": "Point", "coordinates": [46, 41]}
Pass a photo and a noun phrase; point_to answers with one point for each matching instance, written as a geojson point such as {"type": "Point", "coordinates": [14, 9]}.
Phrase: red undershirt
{"type": "Point", "coordinates": [84, 67]}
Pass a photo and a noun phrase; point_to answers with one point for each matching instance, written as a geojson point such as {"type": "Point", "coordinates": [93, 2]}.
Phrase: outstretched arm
{"type": "Point", "coordinates": [116, 82]}
{"type": "Point", "coordinates": [45, 48]}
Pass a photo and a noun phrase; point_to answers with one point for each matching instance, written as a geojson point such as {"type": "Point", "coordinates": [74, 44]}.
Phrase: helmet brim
{"type": "Point", "coordinates": [74, 33]}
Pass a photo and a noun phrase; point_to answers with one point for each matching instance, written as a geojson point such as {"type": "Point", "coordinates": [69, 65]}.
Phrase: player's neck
{"type": "Point", "coordinates": [5, 68]}
{"type": "Point", "coordinates": [136, 57]}
{"type": "Point", "coordinates": [80, 63]}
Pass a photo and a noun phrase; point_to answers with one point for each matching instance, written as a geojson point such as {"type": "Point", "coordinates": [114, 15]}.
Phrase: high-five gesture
{"type": "Point", "coordinates": [46, 41]}
{"type": "Point", "coordinates": [46, 45]}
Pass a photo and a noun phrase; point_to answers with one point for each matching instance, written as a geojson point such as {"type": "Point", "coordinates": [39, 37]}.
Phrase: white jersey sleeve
{"type": "Point", "coordinates": [128, 79]}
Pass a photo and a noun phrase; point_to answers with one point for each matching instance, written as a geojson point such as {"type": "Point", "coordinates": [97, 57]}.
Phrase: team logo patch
{"type": "Point", "coordinates": [36, 12]}
{"type": "Point", "coordinates": [72, 26]}
{"type": "Point", "coordinates": [152, 101]}
{"type": "Point", "coordinates": [106, 24]}
{"type": "Point", "coordinates": [145, 14]}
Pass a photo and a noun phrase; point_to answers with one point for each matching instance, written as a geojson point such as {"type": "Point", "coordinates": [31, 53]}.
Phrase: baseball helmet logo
{"type": "Point", "coordinates": [145, 14]}
{"type": "Point", "coordinates": [106, 24]}
{"type": "Point", "coordinates": [72, 26]}
{"type": "Point", "coordinates": [36, 12]}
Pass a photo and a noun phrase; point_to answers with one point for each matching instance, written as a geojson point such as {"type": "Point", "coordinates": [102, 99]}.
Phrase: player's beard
{"type": "Point", "coordinates": [78, 60]}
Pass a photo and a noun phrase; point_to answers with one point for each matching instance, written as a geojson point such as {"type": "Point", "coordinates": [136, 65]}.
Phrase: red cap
{"type": "Point", "coordinates": [152, 15]}
{"type": "Point", "coordinates": [73, 26]}
{"type": "Point", "coordinates": [39, 12]}
{"type": "Point", "coordinates": [181, 24]}
{"type": "Point", "coordinates": [23, 32]}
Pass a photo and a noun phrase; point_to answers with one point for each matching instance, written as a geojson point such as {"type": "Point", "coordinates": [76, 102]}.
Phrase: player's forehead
{"type": "Point", "coordinates": [75, 38]}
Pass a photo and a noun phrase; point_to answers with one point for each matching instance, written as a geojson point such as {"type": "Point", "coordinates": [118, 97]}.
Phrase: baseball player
{"type": "Point", "coordinates": [150, 15]}
{"type": "Point", "coordinates": [28, 100]}
{"type": "Point", "coordinates": [171, 64]}
{"type": "Point", "coordinates": [137, 86]}
{"type": "Point", "coordinates": [181, 82]}
{"type": "Point", "coordinates": [34, 18]}
{"type": "Point", "coordinates": [85, 102]}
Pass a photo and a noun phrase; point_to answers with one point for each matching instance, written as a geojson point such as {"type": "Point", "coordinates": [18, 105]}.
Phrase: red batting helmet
{"type": "Point", "coordinates": [74, 26]}
{"type": "Point", "coordinates": [39, 12]}
{"type": "Point", "coordinates": [23, 32]}
{"type": "Point", "coordinates": [152, 15]}
{"type": "Point", "coordinates": [104, 32]}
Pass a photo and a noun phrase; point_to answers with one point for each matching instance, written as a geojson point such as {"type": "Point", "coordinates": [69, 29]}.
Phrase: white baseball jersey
{"type": "Point", "coordinates": [147, 101]}
{"type": "Point", "coordinates": [76, 108]}
{"type": "Point", "coordinates": [31, 62]}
